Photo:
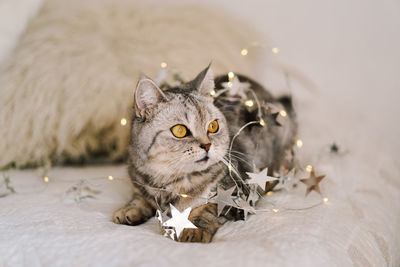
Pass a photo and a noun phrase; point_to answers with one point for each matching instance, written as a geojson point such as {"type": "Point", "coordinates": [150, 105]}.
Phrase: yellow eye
{"type": "Point", "coordinates": [213, 127]}
{"type": "Point", "coordinates": [179, 131]}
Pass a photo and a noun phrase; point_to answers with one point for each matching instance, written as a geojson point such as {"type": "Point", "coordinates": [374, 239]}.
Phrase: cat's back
{"type": "Point", "coordinates": [266, 123]}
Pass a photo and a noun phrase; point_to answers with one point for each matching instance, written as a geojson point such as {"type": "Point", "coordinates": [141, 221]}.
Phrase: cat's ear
{"type": "Point", "coordinates": [205, 81]}
{"type": "Point", "coordinates": [147, 95]}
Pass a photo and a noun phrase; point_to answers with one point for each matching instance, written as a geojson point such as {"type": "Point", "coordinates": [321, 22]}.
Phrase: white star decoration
{"type": "Point", "coordinates": [235, 87]}
{"type": "Point", "coordinates": [287, 179]}
{"type": "Point", "coordinates": [224, 198]}
{"type": "Point", "coordinates": [260, 178]}
{"type": "Point", "coordinates": [80, 191]}
{"type": "Point", "coordinates": [253, 196]}
{"type": "Point", "coordinates": [162, 216]}
{"type": "Point", "coordinates": [179, 220]}
{"type": "Point", "coordinates": [169, 233]}
{"type": "Point", "coordinates": [245, 206]}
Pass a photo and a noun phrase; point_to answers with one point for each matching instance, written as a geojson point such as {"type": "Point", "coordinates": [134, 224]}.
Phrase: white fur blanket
{"type": "Point", "coordinates": [39, 227]}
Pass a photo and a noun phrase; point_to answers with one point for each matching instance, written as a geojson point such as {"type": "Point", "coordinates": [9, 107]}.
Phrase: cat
{"type": "Point", "coordinates": [180, 138]}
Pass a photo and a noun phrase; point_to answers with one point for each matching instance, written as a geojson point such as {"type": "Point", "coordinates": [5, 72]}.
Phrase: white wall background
{"type": "Point", "coordinates": [349, 49]}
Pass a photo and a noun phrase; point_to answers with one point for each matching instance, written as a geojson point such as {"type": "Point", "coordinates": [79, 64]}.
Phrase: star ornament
{"type": "Point", "coordinates": [170, 233]}
{"type": "Point", "coordinates": [237, 88]}
{"type": "Point", "coordinates": [179, 220]}
{"type": "Point", "coordinates": [287, 179]}
{"type": "Point", "coordinates": [162, 216]}
{"type": "Point", "coordinates": [224, 198]}
{"type": "Point", "coordinates": [253, 196]}
{"type": "Point", "coordinates": [312, 182]}
{"type": "Point", "coordinates": [275, 119]}
{"type": "Point", "coordinates": [260, 178]}
{"type": "Point", "coordinates": [246, 207]}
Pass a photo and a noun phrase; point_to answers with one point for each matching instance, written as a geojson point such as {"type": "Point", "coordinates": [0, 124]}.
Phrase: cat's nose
{"type": "Point", "coordinates": [206, 147]}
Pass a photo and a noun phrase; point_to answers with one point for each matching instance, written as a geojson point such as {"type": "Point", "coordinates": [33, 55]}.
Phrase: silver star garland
{"type": "Point", "coordinates": [312, 183]}
{"type": "Point", "coordinates": [162, 216]}
{"type": "Point", "coordinates": [224, 198]}
{"type": "Point", "coordinates": [260, 178]}
{"type": "Point", "coordinates": [79, 192]}
{"type": "Point", "coordinates": [170, 233]}
{"type": "Point", "coordinates": [179, 220]}
{"type": "Point", "coordinates": [287, 179]}
{"type": "Point", "coordinates": [236, 88]}
{"type": "Point", "coordinates": [165, 231]}
{"type": "Point", "coordinates": [7, 189]}
{"type": "Point", "coordinates": [253, 196]}
{"type": "Point", "coordinates": [245, 206]}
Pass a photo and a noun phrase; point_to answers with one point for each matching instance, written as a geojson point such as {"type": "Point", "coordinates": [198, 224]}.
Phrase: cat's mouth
{"type": "Point", "coordinates": [203, 160]}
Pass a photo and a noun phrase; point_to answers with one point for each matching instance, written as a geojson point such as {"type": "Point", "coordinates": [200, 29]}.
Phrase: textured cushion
{"type": "Point", "coordinates": [71, 77]}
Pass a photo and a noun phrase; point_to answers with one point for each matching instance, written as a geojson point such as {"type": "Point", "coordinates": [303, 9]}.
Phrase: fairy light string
{"type": "Point", "coordinates": [232, 169]}
{"type": "Point", "coordinates": [243, 52]}
{"type": "Point", "coordinates": [275, 208]}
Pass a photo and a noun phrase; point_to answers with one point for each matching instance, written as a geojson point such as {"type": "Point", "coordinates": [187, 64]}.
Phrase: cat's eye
{"type": "Point", "coordinates": [213, 127]}
{"type": "Point", "coordinates": [179, 131]}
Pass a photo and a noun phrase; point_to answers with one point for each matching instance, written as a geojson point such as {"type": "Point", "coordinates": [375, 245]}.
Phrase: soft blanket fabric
{"type": "Point", "coordinates": [358, 226]}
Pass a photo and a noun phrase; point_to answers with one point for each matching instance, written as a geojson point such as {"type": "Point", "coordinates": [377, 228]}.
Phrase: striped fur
{"type": "Point", "coordinates": [162, 167]}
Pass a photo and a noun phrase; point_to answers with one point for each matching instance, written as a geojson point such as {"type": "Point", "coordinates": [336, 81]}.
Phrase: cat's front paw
{"type": "Point", "coordinates": [130, 215]}
{"type": "Point", "coordinates": [195, 235]}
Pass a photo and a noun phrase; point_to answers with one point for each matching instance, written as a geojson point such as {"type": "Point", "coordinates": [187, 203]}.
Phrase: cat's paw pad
{"type": "Point", "coordinates": [195, 235]}
{"type": "Point", "coordinates": [130, 215]}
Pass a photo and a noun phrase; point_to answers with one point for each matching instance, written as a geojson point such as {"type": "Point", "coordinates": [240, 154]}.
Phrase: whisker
{"type": "Point", "coordinates": [237, 152]}
{"type": "Point", "coordinates": [227, 165]}
{"type": "Point", "coordinates": [243, 160]}
{"type": "Point", "coordinates": [235, 170]}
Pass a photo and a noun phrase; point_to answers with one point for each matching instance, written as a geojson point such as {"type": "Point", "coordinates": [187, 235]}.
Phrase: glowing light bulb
{"type": "Point", "coordinates": [325, 199]}
{"type": "Point", "coordinates": [231, 75]}
{"type": "Point", "coordinates": [229, 167]}
{"type": "Point", "coordinates": [283, 113]}
{"type": "Point", "coordinates": [262, 122]}
{"type": "Point", "coordinates": [309, 168]}
{"type": "Point", "coordinates": [212, 92]}
{"type": "Point", "coordinates": [275, 50]}
{"type": "Point", "coordinates": [184, 195]}
{"type": "Point", "coordinates": [299, 143]}
{"type": "Point", "coordinates": [244, 52]}
{"type": "Point", "coordinates": [164, 65]}
{"type": "Point", "coordinates": [269, 193]}
{"type": "Point", "coordinates": [275, 210]}
{"type": "Point", "coordinates": [123, 121]}
{"type": "Point", "coordinates": [249, 103]}
{"type": "Point", "coordinates": [110, 178]}
{"type": "Point", "coordinates": [46, 179]}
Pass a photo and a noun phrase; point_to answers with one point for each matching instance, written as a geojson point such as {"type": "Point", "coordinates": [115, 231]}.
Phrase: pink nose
{"type": "Point", "coordinates": [206, 147]}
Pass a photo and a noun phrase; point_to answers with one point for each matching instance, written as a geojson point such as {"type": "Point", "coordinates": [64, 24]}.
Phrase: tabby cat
{"type": "Point", "coordinates": [180, 138]}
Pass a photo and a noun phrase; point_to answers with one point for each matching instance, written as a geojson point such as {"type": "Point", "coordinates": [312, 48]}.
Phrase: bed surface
{"type": "Point", "coordinates": [42, 225]}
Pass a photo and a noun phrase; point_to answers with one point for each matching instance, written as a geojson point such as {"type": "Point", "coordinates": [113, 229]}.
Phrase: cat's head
{"type": "Point", "coordinates": [179, 130]}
